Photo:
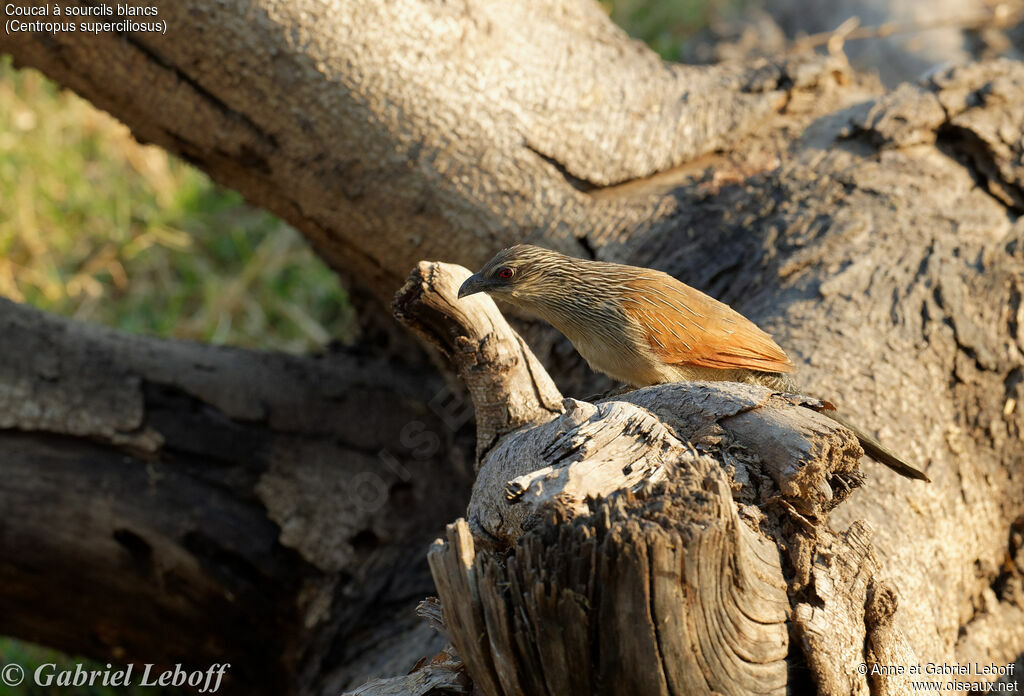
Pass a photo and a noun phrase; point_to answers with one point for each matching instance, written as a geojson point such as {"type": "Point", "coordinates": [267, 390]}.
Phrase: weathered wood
{"type": "Point", "coordinates": [1000, 619]}
{"type": "Point", "coordinates": [831, 627]}
{"type": "Point", "coordinates": [887, 645]}
{"type": "Point", "coordinates": [594, 450]}
{"type": "Point", "coordinates": [458, 586]}
{"type": "Point", "coordinates": [812, 461]}
{"type": "Point", "coordinates": [508, 385]}
{"type": "Point", "coordinates": [667, 590]}
{"type": "Point", "coordinates": [590, 450]}
{"type": "Point", "coordinates": [442, 674]}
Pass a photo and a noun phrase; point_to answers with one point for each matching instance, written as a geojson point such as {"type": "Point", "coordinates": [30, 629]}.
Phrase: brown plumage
{"type": "Point", "coordinates": [702, 332]}
{"type": "Point", "coordinates": [643, 326]}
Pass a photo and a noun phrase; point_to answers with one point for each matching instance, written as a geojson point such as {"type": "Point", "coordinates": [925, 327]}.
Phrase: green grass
{"type": "Point", "coordinates": [666, 25]}
{"type": "Point", "coordinates": [98, 227]}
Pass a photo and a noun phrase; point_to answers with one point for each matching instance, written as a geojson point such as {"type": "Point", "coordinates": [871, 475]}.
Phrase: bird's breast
{"type": "Point", "coordinates": [608, 338]}
{"type": "Point", "coordinates": [626, 360]}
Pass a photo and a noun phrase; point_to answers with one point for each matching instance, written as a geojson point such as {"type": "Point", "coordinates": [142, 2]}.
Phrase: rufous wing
{"type": "Point", "coordinates": [686, 327]}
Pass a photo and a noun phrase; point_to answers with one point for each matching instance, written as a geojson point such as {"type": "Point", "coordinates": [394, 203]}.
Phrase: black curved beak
{"type": "Point", "coordinates": [473, 285]}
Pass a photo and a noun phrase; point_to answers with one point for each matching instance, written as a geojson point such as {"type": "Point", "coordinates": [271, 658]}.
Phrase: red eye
{"type": "Point", "coordinates": [506, 273]}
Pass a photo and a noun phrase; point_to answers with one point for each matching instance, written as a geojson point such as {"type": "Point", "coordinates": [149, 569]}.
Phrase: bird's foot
{"type": "Point", "coordinates": [613, 392]}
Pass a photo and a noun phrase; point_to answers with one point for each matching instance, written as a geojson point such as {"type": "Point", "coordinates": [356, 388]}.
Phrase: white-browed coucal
{"type": "Point", "coordinates": [643, 327]}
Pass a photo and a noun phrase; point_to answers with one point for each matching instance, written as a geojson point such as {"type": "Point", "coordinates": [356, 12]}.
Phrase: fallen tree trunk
{"type": "Point", "coordinates": [173, 502]}
{"type": "Point", "coordinates": [876, 236]}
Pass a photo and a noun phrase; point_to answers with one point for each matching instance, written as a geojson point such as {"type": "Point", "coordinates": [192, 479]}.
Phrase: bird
{"type": "Point", "coordinates": [642, 327]}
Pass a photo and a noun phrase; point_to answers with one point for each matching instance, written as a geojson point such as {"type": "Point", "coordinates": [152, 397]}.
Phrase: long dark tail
{"type": "Point", "coordinates": [874, 449]}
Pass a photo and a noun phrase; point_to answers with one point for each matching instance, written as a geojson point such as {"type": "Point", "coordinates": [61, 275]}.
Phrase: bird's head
{"type": "Point", "coordinates": [519, 274]}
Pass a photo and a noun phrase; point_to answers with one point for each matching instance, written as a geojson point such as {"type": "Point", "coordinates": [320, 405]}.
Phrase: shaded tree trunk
{"type": "Point", "coordinates": [876, 236]}
{"type": "Point", "coordinates": [176, 502]}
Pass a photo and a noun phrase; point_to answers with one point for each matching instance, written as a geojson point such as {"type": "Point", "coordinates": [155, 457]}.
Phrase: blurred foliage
{"type": "Point", "coordinates": [666, 25]}
{"type": "Point", "coordinates": [101, 228]}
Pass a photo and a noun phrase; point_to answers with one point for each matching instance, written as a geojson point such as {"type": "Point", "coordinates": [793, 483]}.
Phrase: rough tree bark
{"type": "Point", "coordinates": [876, 235]}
